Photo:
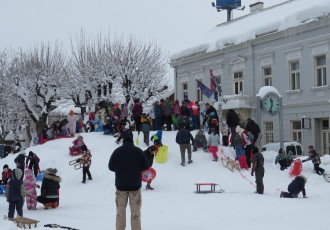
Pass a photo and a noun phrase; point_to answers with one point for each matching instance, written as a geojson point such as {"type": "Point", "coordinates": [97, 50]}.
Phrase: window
{"type": "Point", "coordinates": [320, 71]}
{"type": "Point", "coordinates": [185, 89]}
{"type": "Point", "coordinates": [269, 134]}
{"type": "Point", "coordinates": [267, 76]}
{"type": "Point", "coordinates": [296, 131]}
{"type": "Point", "coordinates": [199, 94]}
{"type": "Point", "coordinates": [294, 75]}
{"type": "Point", "coordinates": [238, 82]}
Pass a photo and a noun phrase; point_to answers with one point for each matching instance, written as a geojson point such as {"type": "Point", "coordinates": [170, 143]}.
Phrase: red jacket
{"type": "Point", "coordinates": [6, 176]}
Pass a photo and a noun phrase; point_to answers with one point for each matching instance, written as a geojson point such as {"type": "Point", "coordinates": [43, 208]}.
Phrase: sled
{"type": "Point", "coordinates": [229, 163]}
{"type": "Point", "coordinates": [58, 226]}
{"type": "Point", "coordinates": [23, 222]}
{"type": "Point", "coordinates": [212, 188]}
{"type": "Point", "coordinates": [295, 168]}
{"type": "Point", "coordinates": [326, 177]}
{"type": "Point", "coordinates": [2, 189]}
{"type": "Point", "coordinates": [161, 155]}
{"type": "Point", "coordinates": [74, 152]}
{"type": "Point", "coordinates": [148, 175]}
{"type": "Point", "coordinates": [77, 164]}
{"type": "Point", "coordinates": [41, 175]}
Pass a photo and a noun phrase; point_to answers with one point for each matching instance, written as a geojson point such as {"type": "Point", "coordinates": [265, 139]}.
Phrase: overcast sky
{"type": "Point", "coordinates": [173, 24]}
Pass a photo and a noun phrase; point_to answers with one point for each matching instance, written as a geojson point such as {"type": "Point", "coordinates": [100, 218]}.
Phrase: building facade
{"type": "Point", "coordinates": [294, 61]}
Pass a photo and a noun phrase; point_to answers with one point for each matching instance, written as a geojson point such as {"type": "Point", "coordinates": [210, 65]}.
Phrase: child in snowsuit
{"type": "Point", "coordinates": [157, 138]}
{"type": "Point", "coordinates": [6, 174]}
{"type": "Point", "coordinates": [30, 186]}
{"type": "Point", "coordinates": [34, 163]}
{"type": "Point", "coordinates": [124, 130]}
{"type": "Point", "coordinates": [283, 159]}
{"type": "Point", "coordinates": [77, 143]}
{"type": "Point", "coordinates": [200, 140]}
{"type": "Point", "coordinates": [258, 168]}
{"type": "Point", "coordinates": [86, 161]}
{"type": "Point", "coordinates": [213, 142]}
{"type": "Point", "coordinates": [316, 160]}
{"type": "Point", "coordinates": [224, 133]}
{"type": "Point", "coordinates": [150, 154]}
{"type": "Point", "coordinates": [15, 193]}
{"type": "Point", "coordinates": [183, 138]}
{"type": "Point", "coordinates": [240, 152]}
{"type": "Point", "coordinates": [146, 127]}
{"type": "Point", "coordinates": [295, 187]}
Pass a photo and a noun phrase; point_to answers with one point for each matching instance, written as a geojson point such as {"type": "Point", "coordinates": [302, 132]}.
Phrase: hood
{"type": "Point", "coordinates": [17, 174]}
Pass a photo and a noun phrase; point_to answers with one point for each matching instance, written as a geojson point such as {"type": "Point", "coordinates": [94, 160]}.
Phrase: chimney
{"type": "Point", "coordinates": [258, 6]}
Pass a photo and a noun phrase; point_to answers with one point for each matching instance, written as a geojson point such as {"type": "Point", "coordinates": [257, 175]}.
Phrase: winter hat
{"type": "Point", "coordinates": [29, 173]}
{"type": "Point", "coordinates": [71, 112]}
{"type": "Point", "coordinates": [30, 154]}
{"type": "Point", "coordinates": [18, 174]}
{"type": "Point", "coordinates": [5, 166]}
{"type": "Point", "coordinates": [51, 171]}
{"type": "Point", "coordinates": [305, 178]}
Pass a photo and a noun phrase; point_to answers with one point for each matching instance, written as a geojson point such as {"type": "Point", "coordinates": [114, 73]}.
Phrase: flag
{"type": "Point", "coordinates": [213, 82]}
{"type": "Point", "coordinates": [206, 91]}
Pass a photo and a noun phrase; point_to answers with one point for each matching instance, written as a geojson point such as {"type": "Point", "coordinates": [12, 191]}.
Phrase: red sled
{"type": "Point", "coordinates": [74, 152]}
{"type": "Point", "coordinates": [296, 168]}
{"type": "Point", "coordinates": [148, 175]}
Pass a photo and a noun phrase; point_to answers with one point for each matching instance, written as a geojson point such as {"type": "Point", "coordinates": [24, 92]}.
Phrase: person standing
{"type": "Point", "coordinates": [258, 169]}
{"type": "Point", "coordinates": [86, 161]}
{"type": "Point", "coordinates": [213, 142]}
{"type": "Point", "coordinates": [72, 122]}
{"type": "Point", "coordinates": [30, 185]}
{"type": "Point", "coordinates": [232, 122]}
{"type": "Point", "coordinates": [150, 153]}
{"type": "Point", "coordinates": [20, 161]}
{"type": "Point", "coordinates": [137, 113]}
{"type": "Point", "coordinates": [316, 160]}
{"type": "Point", "coordinates": [183, 138]}
{"type": "Point", "coordinates": [128, 161]}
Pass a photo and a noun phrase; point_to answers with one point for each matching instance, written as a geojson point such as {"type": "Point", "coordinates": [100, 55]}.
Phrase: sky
{"type": "Point", "coordinates": [173, 24]}
{"type": "Point", "coordinates": [173, 204]}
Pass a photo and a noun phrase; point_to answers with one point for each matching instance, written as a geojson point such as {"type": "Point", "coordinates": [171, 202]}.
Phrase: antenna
{"type": "Point", "coordinates": [228, 5]}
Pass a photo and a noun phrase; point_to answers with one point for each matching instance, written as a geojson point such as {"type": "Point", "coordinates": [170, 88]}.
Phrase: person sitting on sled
{"type": "Point", "coordinates": [283, 159]}
{"type": "Point", "coordinates": [200, 141]}
{"type": "Point", "coordinates": [77, 143]}
{"type": "Point", "coordinates": [295, 187]}
{"type": "Point", "coordinates": [150, 154]}
{"type": "Point", "coordinates": [316, 160]}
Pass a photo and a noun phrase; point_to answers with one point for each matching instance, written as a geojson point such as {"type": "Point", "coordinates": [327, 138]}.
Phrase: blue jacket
{"type": "Point", "coordinates": [128, 161]}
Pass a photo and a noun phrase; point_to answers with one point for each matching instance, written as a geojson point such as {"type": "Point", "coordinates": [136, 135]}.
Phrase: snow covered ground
{"type": "Point", "coordinates": [173, 205]}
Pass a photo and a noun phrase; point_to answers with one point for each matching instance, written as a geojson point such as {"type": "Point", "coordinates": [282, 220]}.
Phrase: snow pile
{"type": "Point", "coordinates": [173, 204]}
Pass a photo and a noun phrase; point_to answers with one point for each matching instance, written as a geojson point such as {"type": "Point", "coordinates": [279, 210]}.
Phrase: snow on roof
{"type": "Point", "coordinates": [272, 19]}
{"type": "Point", "coordinates": [267, 89]}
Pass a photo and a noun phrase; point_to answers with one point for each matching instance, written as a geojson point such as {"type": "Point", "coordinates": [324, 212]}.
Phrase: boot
{"type": "Point", "coordinates": [54, 204]}
{"type": "Point", "coordinates": [190, 161]}
{"type": "Point", "coordinates": [46, 206]}
{"type": "Point", "coordinates": [148, 187]}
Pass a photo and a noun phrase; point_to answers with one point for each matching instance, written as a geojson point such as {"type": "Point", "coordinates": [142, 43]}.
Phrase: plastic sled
{"type": "Point", "coordinates": [148, 175]}
{"type": "Point", "coordinates": [161, 155]}
{"type": "Point", "coordinates": [41, 175]}
{"type": "Point", "coordinates": [73, 152]}
{"type": "Point", "coordinates": [295, 168]}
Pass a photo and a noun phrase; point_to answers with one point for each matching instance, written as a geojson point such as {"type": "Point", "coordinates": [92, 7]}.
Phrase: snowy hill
{"type": "Point", "coordinates": [173, 205]}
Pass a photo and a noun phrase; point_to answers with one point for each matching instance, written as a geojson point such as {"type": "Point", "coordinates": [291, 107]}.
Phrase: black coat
{"type": "Point", "coordinates": [50, 185]}
{"type": "Point", "coordinates": [232, 119]}
{"type": "Point", "coordinates": [253, 127]}
{"type": "Point", "coordinates": [149, 156]}
{"type": "Point", "coordinates": [128, 161]}
{"type": "Point", "coordinates": [15, 189]}
{"type": "Point", "coordinates": [297, 186]}
{"type": "Point", "coordinates": [184, 136]}
{"type": "Point", "coordinates": [20, 160]}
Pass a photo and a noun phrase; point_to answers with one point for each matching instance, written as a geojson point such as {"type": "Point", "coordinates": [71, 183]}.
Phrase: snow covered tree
{"type": "Point", "coordinates": [38, 76]}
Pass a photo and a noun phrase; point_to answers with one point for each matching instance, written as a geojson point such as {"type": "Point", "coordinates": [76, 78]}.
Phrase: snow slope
{"type": "Point", "coordinates": [173, 204]}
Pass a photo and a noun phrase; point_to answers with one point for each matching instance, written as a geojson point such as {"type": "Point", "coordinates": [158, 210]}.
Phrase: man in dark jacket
{"type": "Point", "coordinates": [32, 162]}
{"type": "Point", "coordinates": [232, 122]}
{"type": "Point", "coordinates": [128, 161]}
{"type": "Point", "coordinates": [295, 187]}
{"type": "Point", "coordinates": [183, 138]}
{"type": "Point", "coordinates": [210, 109]}
{"type": "Point", "coordinates": [20, 162]}
{"type": "Point", "coordinates": [50, 189]}
{"type": "Point", "coordinates": [137, 113]}
{"type": "Point", "coordinates": [258, 169]}
{"type": "Point", "coordinates": [254, 128]}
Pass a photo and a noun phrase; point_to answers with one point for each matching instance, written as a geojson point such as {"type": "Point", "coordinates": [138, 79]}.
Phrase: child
{"type": "Point", "coordinates": [86, 161]}
{"type": "Point", "coordinates": [258, 169]}
{"type": "Point", "coordinates": [34, 163]}
{"type": "Point", "coordinates": [146, 127]}
{"type": "Point", "coordinates": [6, 174]}
{"type": "Point", "coordinates": [295, 187]}
{"type": "Point", "coordinates": [316, 160]}
{"type": "Point", "coordinates": [15, 193]}
{"type": "Point", "coordinates": [240, 153]}
{"type": "Point", "coordinates": [157, 138]}
{"type": "Point", "coordinates": [213, 142]}
{"type": "Point", "coordinates": [124, 129]}
{"type": "Point", "coordinates": [150, 154]}
{"type": "Point", "coordinates": [183, 138]}
{"type": "Point", "coordinates": [30, 188]}
{"type": "Point", "coordinates": [200, 140]}
{"type": "Point", "coordinates": [224, 133]}
{"type": "Point", "coordinates": [77, 143]}
{"type": "Point", "coordinates": [283, 159]}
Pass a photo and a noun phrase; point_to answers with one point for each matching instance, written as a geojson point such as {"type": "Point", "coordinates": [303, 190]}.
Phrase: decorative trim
{"type": "Point", "coordinates": [320, 49]}
{"type": "Point", "coordinates": [293, 55]}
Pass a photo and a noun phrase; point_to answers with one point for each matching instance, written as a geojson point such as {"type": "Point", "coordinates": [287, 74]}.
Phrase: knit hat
{"type": "Point", "coordinates": [5, 166]}
{"type": "Point", "coordinates": [71, 112]}
{"type": "Point", "coordinates": [18, 174]}
{"type": "Point", "coordinates": [51, 171]}
{"type": "Point", "coordinates": [30, 154]}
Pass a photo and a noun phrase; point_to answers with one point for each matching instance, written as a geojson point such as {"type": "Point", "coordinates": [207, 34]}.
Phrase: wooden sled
{"type": "Point", "coordinates": [212, 188]}
{"type": "Point", "coordinates": [229, 163]}
{"type": "Point", "coordinates": [23, 222]}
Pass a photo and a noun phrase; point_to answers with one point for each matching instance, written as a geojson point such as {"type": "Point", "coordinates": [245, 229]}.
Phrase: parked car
{"type": "Point", "coordinates": [293, 146]}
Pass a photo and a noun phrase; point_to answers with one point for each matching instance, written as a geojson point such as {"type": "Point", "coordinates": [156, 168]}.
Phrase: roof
{"type": "Point", "coordinates": [279, 18]}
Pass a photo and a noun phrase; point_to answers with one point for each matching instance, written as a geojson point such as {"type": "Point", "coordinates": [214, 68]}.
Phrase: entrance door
{"type": "Point", "coordinates": [325, 137]}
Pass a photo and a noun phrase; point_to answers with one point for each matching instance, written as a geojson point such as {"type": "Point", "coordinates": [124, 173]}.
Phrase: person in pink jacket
{"type": "Point", "coordinates": [30, 188]}
{"type": "Point", "coordinates": [72, 122]}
